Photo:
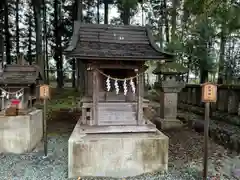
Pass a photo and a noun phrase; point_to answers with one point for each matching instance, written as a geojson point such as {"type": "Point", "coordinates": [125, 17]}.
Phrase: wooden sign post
{"type": "Point", "coordinates": [209, 94]}
{"type": "Point", "coordinates": [45, 95]}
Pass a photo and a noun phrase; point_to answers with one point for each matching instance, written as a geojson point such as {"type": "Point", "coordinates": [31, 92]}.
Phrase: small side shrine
{"type": "Point", "coordinates": [113, 126]}
{"type": "Point", "coordinates": [170, 83]}
{"type": "Point", "coordinates": [18, 85]}
{"type": "Point", "coordinates": [18, 118]}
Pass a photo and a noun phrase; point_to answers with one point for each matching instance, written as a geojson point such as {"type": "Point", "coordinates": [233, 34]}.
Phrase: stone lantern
{"type": "Point", "coordinates": [170, 84]}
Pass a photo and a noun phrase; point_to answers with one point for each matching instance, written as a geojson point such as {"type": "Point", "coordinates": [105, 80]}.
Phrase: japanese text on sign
{"type": "Point", "coordinates": [209, 92]}
{"type": "Point", "coordinates": [44, 91]}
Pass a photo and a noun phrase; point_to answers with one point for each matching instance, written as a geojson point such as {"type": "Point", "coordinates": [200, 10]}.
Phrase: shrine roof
{"type": "Point", "coordinates": [122, 42]}
{"type": "Point", "coordinates": [20, 74]}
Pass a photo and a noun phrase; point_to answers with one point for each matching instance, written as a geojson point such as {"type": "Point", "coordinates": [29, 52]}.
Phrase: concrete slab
{"type": "Point", "coordinates": [149, 127]}
{"type": "Point", "coordinates": [116, 154]}
{"type": "Point", "coordinates": [20, 134]}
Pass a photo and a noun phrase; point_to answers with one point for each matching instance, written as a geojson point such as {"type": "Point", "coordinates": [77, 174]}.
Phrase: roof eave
{"type": "Point", "coordinates": [155, 58]}
{"type": "Point", "coordinates": [75, 37]}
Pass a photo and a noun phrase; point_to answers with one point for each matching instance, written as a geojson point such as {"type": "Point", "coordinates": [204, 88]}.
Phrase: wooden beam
{"type": "Point", "coordinates": [114, 41]}
{"type": "Point", "coordinates": [123, 58]}
{"type": "Point", "coordinates": [117, 66]}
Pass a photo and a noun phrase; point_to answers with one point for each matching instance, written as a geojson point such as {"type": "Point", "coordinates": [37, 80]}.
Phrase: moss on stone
{"type": "Point", "coordinates": [170, 68]}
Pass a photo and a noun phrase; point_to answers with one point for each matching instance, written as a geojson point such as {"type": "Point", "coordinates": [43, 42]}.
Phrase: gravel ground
{"type": "Point", "coordinates": [185, 158]}
{"type": "Point", "coordinates": [33, 166]}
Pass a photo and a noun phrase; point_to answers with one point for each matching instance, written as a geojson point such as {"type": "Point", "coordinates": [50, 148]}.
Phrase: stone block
{"type": "Point", "coordinates": [116, 155]}
{"type": "Point", "coordinates": [168, 123]}
{"type": "Point", "coordinates": [20, 134]}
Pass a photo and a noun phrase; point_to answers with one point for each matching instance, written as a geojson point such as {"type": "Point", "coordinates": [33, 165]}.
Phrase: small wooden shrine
{"type": "Point", "coordinates": [113, 58]}
{"type": "Point", "coordinates": [113, 138]}
{"type": "Point", "coordinates": [18, 85]}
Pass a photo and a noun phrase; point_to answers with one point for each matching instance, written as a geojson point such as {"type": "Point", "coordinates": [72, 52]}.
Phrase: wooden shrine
{"type": "Point", "coordinates": [112, 58]}
{"type": "Point", "coordinates": [18, 85]}
{"type": "Point", "coordinates": [113, 138]}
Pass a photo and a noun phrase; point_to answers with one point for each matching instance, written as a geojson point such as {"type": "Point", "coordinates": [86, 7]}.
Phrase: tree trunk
{"type": "Point", "coordinates": [30, 43]}
{"type": "Point", "coordinates": [98, 14]}
{"type": "Point", "coordinates": [160, 27]}
{"type": "Point", "coordinates": [126, 16]}
{"type": "Point", "coordinates": [38, 29]}
{"type": "Point", "coordinates": [221, 57]}
{"type": "Point", "coordinates": [79, 12]}
{"type": "Point", "coordinates": [77, 61]}
{"type": "Point", "coordinates": [174, 19]}
{"type": "Point", "coordinates": [185, 18]}
{"type": "Point", "coordinates": [165, 16]}
{"type": "Point", "coordinates": [105, 12]}
{"type": "Point", "coordinates": [58, 47]}
{"type": "Point", "coordinates": [17, 28]}
{"type": "Point", "coordinates": [1, 35]}
{"type": "Point", "coordinates": [7, 33]}
{"type": "Point", "coordinates": [203, 76]}
{"type": "Point", "coordinates": [46, 64]}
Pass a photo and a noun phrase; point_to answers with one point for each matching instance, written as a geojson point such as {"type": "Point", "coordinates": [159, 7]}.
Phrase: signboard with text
{"type": "Point", "coordinates": [44, 91]}
{"type": "Point", "coordinates": [209, 92]}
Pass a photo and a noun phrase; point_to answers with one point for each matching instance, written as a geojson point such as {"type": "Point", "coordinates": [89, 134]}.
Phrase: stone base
{"type": "Point", "coordinates": [20, 134]}
{"type": "Point", "coordinates": [116, 154]}
{"type": "Point", "coordinates": [169, 123]}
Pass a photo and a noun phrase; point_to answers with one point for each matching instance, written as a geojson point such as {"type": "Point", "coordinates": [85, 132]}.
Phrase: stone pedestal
{"type": "Point", "coordinates": [170, 87]}
{"type": "Point", "coordinates": [20, 134]}
{"type": "Point", "coordinates": [116, 155]}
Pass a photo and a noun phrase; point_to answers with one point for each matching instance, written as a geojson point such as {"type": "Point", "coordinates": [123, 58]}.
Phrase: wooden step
{"type": "Point", "coordinates": [102, 123]}
{"type": "Point", "coordinates": [116, 114]}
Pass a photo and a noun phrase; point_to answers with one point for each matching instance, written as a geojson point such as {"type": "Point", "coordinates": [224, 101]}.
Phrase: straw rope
{"type": "Point", "coordinates": [16, 92]}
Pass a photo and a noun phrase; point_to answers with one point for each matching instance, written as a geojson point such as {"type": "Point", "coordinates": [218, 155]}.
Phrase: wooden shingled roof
{"type": "Point", "coordinates": [123, 42]}
{"type": "Point", "coordinates": [20, 74]}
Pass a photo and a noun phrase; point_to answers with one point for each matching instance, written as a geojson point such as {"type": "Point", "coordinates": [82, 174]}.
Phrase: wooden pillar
{"type": "Point", "coordinates": [77, 87]}
{"type": "Point", "coordinates": [140, 91]}
{"type": "Point", "coordinates": [95, 97]}
{"type": "Point", "coordinates": [85, 80]}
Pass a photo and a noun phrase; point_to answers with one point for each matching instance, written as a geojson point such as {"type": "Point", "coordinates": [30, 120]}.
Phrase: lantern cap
{"type": "Point", "coordinates": [170, 68]}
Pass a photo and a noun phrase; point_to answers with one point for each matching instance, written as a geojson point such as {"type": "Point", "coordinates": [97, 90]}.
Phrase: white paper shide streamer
{"type": "Point", "coordinates": [108, 84]}
{"type": "Point", "coordinates": [116, 86]}
{"type": "Point", "coordinates": [5, 94]}
{"type": "Point", "coordinates": [19, 94]}
{"type": "Point", "coordinates": [125, 87]}
{"type": "Point", "coordinates": [127, 83]}
{"type": "Point", "coordinates": [132, 86]}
